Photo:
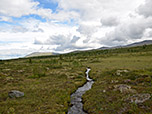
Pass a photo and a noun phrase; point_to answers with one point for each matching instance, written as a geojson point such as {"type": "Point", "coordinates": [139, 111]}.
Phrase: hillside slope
{"type": "Point", "coordinates": [36, 54]}
{"type": "Point", "coordinates": [145, 42]}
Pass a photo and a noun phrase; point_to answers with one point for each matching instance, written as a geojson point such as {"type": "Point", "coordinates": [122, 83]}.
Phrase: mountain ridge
{"type": "Point", "coordinates": [145, 42]}
{"type": "Point", "coordinates": [141, 43]}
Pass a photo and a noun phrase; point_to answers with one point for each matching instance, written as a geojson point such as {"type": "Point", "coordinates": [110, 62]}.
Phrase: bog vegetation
{"type": "Point", "coordinates": [47, 82]}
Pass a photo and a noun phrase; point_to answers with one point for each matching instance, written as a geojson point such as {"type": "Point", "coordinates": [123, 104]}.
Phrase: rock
{"type": "Point", "coordinates": [15, 94]}
{"type": "Point", "coordinates": [123, 88]}
{"type": "Point", "coordinates": [139, 98]}
{"type": "Point", "coordinates": [119, 72]}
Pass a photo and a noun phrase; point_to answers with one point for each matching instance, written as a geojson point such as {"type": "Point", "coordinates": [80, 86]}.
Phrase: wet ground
{"type": "Point", "coordinates": [76, 98]}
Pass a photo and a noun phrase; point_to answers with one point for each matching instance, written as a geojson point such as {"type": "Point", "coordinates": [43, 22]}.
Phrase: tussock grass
{"type": "Point", "coordinates": [47, 85]}
{"type": "Point", "coordinates": [48, 81]}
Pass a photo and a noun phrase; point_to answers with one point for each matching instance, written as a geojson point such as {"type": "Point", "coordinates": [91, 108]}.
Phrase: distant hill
{"type": "Point", "coordinates": [104, 48]}
{"type": "Point", "coordinates": [37, 54]}
{"type": "Point", "coordinates": [145, 42]}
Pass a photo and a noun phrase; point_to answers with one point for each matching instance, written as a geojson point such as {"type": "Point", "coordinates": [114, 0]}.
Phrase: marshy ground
{"type": "Point", "coordinates": [48, 82]}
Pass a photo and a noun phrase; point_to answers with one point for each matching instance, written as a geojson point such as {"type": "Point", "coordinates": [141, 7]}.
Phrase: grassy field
{"type": "Point", "coordinates": [48, 81]}
{"type": "Point", "coordinates": [47, 84]}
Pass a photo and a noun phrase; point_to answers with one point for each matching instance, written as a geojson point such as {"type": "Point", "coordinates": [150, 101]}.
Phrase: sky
{"type": "Point", "coordinates": [62, 26]}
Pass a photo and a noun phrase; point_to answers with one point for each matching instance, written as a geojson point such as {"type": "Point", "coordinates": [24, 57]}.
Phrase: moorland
{"type": "Point", "coordinates": [121, 77]}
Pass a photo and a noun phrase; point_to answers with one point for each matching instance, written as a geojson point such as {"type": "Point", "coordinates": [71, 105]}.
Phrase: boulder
{"type": "Point", "coordinates": [15, 94]}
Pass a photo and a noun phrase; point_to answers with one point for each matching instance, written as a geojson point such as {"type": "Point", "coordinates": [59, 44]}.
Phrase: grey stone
{"type": "Point", "coordinates": [15, 94]}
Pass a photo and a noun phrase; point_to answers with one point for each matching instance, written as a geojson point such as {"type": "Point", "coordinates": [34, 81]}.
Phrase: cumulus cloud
{"type": "Point", "coordinates": [146, 8]}
{"type": "Point", "coordinates": [112, 14]}
{"type": "Point", "coordinates": [38, 30]}
{"type": "Point", "coordinates": [75, 39]}
{"type": "Point", "coordinates": [109, 21]}
{"type": "Point", "coordinates": [133, 28]}
{"type": "Point", "coordinates": [44, 13]}
{"type": "Point", "coordinates": [26, 25]}
{"type": "Point", "coordinates": [17, 8]}
{"type": "Point", "coordinates": [62, 42]}
{"type": "Point", "coordinates": [87, 30]}
{"type": "Point", "coordinates": [150, 33]}
{"type": "Point", "coordinates": [14, 53]}
{"type": "Point", "coordinates": [37, 41]}
{"type": "Point", "coordinates": [19, 29]}
{"type": "Point", "coordinates": [5, 18]}
{"type": "Point", "coordinates": [95, 9]}
{"type": "Point", "coordinates": [75, 24]}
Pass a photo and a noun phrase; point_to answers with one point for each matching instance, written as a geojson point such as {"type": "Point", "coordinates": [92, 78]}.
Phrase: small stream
{"type": "Point", "coordinates": [76, 98]}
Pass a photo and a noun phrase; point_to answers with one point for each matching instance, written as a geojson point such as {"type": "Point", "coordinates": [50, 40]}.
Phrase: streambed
{"type": "Point", "coordinates": [76, 98]}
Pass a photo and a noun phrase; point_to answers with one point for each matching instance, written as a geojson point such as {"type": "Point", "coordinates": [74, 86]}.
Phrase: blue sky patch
{"type": "Point", "coordinates": [16, 20]}
{"type": "Point", "coordinates": [48, 4]}
{"type": "Point", "coordinates": [30, 16]}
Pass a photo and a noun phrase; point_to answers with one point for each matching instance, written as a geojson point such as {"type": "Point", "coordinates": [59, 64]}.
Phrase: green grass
{"type": "Point", "coordinates": [48, 81]}
{"type": "Point", "coordinates": [47, 85]}
{"type": "Point", "coordinates": [112, 102]}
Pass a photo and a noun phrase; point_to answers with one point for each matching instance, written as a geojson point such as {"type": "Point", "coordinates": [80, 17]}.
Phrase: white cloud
{"type": "Point", "coordinates": [17, 8]}
{"type": "Point", "coordinates": [64, 43]}
{"type": "Point", "coordinates": [146, 8]}
{"type": "Point", "coordinates": [45, 13]}
{"type": "Point", "coordinates": [132, 29]}
{"type": "Point", "coordinates": [110, 21]}
{"type": "Point", "coordinates": [76, 24]}
{"type": "Point", "coordinates": [14, 53]}
{"type": "Point", "coordinates": [87, 30]}
{"type": "Point", "coordinates": [5, 18]}
{"type": "Point", "coordinates": [114, 14]}
{"type": "Point", "coordinates": [36, 33]}
{"type": "Point", "coordinates": [65, 15]}
{"type": "Point", "coordinates": [96, 9]}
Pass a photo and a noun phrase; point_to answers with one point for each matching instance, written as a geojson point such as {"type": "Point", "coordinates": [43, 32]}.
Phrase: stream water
{"type": "Point", "coordinates": [76, 98]}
